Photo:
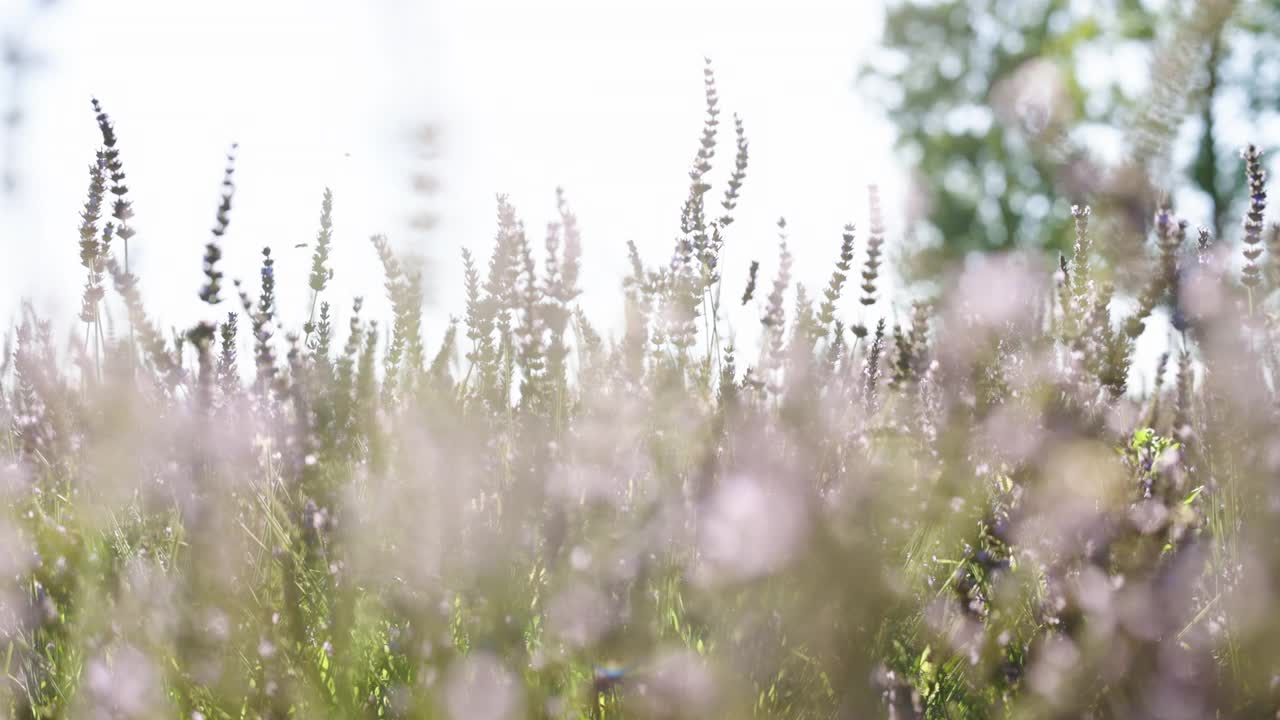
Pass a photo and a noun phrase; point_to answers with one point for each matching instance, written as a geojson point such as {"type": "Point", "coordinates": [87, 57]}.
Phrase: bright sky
{"type": "Point", "coordinates": [602, 97]}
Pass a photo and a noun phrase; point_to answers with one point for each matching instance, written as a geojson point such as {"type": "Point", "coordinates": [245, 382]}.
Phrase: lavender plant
{"type": "Point", "coordinates": [972, 510]}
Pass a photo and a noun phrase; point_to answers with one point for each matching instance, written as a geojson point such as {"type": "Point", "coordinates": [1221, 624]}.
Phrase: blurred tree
{"type": "Point", "coordinates": [1009, 111]}
{"type": "Point", "coordinates": [17, 61]}
{"type": "Point", "coordinates": [1241, 76]}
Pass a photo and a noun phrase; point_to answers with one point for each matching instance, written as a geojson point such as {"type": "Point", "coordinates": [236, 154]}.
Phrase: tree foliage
{"type": "Point", "coordinates": [1009, 112]}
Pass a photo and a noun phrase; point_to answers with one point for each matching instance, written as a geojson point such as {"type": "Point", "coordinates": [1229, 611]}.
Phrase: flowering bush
{"type": "Point", "coordinates": [970, 514]}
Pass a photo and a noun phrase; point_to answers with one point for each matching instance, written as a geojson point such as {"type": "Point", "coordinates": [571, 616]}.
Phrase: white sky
{"type": "Point", "coordinates": [603, 97]}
